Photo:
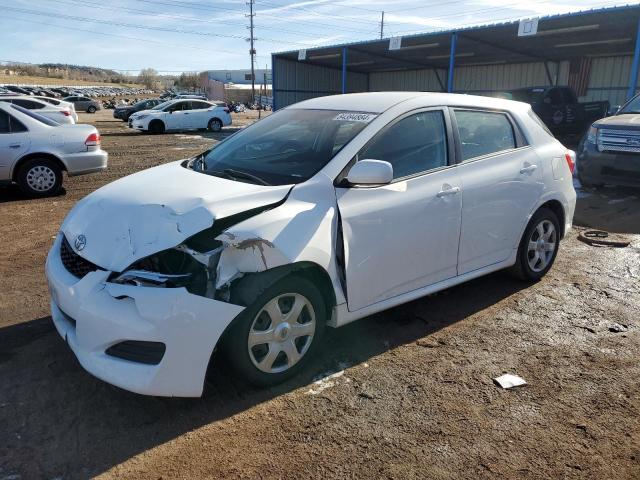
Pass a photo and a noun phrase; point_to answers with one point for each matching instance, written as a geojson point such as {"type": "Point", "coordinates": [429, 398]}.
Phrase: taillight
{"type": "Point", "coordinates": [66, 113]}
{"type": "Point", "coordinates": [93, 140]}
{"type": "Point", "coordinates": [570, 156]}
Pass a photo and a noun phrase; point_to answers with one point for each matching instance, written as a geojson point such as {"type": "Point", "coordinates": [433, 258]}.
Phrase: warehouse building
{"type": "Point", "coordinates": [597, 52]}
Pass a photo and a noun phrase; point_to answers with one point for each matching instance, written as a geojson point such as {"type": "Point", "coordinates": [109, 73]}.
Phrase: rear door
{"type": "Point", "coordinates": [403, 236]}
{"type": "Point", "coordinates": [501, 179]}
{"type": "Point", "coordinates": [199, 114]}
{"type": "Point", "coordinates": [14, 142]}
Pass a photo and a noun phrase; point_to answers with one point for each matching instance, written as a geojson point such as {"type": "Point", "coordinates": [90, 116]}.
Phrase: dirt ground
{"type": "Point", "coordinates": [411, 392]}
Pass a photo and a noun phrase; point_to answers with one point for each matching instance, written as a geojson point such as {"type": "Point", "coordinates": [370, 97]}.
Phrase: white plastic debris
{"type": "Point", "coordinates": [507, 381]}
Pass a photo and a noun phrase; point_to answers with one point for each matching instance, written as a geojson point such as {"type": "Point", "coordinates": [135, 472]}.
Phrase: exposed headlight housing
{"type": "Point", "coordinates": [592, 135]}
{"type": "Point", "coordinates": [174, 268]}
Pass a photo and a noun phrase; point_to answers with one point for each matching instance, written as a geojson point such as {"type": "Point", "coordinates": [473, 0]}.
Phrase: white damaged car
{"type": "Point", "coordinates": [320, 214]}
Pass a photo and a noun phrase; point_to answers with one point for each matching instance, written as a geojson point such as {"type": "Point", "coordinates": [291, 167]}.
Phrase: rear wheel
{"type": "Point", "coordinates": [538, 247]}
{"type": "Point", "coordinates": [275, 336]}
{"type": "Point", "coordinates": [91, 109]}
{"type": "Point", "coordinates": [39, 177]}
{"type": "Point", "coordinates": [215, 125]}
{"type": "Point", "coordinates": [156, 126]}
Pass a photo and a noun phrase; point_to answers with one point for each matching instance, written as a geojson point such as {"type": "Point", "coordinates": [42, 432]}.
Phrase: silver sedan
{"type": "Point", "coordinates": [35, 150]}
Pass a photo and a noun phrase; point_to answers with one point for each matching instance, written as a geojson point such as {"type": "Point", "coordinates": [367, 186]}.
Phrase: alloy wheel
{"type": "Point", "coordinates": [542, 245]}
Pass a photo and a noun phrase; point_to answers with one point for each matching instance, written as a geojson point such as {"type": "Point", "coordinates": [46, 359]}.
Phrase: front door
{"type": "Point", "coordinates": [403, 236]}
{"type": "Point", "coordinates": [176, 118]}
{"type": "Point", "coordinates": [501, 182]}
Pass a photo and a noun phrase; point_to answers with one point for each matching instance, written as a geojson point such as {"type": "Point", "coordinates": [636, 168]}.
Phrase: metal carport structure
{"type": "Point", "coordinates": [600, 48]}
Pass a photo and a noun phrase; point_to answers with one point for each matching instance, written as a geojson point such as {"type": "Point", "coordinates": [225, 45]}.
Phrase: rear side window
{"type": "Point", "coordinates": [30, 104]}
{"type": "Point", "coordinates": [413, 145]}
{"type": "Point", "coordinates": [483, 133]}
{"type": "Point", "coordinates": [9, 124]}
{"type": "Point", "coordinates": [35, 116]}
{"type": "Point", "coordinates": [4, 122]}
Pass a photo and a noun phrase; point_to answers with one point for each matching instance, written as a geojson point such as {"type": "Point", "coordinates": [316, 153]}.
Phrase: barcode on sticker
{"type": "Point", "coordinates": [355, 117]}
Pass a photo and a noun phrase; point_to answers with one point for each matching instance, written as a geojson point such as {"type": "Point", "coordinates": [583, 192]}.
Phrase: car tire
{"type": "Point", "coordinates": [215, 125]}
{"type": "Point", "coordinates": [157, 126]}
{"type": "Point", "coordinates": [266, 364]}
{"type": "Point", "coordinates": [91, 109]}
{"type": "Point", "coordinates": [39, 177]}
{"type": "Point", "coordinates": [538, 247]}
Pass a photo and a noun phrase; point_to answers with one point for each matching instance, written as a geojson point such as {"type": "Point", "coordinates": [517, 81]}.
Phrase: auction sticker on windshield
{"type": "Point", "coordinates": [355, 117]}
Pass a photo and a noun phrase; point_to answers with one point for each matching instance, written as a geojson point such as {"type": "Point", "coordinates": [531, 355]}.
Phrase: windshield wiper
{"type": "Point", "coordinates": [233, 174]}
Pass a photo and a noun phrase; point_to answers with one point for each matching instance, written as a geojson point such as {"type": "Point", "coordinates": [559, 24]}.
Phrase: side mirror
{"type": "Point", "coordinates": [613, 110]}
{"type": "Point", "coordinates": [370, 172]}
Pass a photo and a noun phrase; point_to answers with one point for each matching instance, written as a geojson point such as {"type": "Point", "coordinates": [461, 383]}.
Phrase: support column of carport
{"type": "Point", "coordinates": [633, 81]}
{"type": "Point", "coordinates": [344, 70]}
{"type": "Point", "coordinates": [452, 61]}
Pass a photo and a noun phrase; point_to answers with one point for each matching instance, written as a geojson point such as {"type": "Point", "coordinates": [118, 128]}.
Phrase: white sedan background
{"type": "Point", "coordinates": [182, 114]}
{"type": "Point", "coordinates": [320, 214]}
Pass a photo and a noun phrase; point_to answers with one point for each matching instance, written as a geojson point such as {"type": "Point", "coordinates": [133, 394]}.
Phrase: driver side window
{"type": "Point", "coordinates": [413, 145]}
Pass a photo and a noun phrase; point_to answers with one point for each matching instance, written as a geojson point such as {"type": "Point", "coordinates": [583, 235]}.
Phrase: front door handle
{"type": "Point", "coordinates": [448, 191]}
{"type": "Point", "coordinates": [14, 145]}
{"type": "Point", "coordinates": [528, 169]}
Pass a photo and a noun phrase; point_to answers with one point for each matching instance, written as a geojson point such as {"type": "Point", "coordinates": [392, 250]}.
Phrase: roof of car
{"type": "Point", "coordinates": [378, 102]}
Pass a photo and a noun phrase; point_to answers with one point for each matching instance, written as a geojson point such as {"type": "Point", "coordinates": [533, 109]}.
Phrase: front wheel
{"type": "Point", "coordinates": [278, 333]}
{"type": "Point", "coordinates": [39, 177]}
{"type": "Point", "coordinates": [156, 126]}
{"type": "Point", "coordinates": [91, 109]}
{"type": "Point", "coordinates": [538, 247]}
{"type": "Point", "coordinates": [215, 125]}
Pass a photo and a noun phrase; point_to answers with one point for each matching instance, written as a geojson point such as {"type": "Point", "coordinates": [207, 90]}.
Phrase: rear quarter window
{"type": "Point", "coordinates": [483, 133]}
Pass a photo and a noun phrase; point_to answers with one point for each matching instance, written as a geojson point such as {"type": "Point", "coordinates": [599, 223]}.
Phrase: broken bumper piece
{"type": "Point", "coordinates": [93, 315]}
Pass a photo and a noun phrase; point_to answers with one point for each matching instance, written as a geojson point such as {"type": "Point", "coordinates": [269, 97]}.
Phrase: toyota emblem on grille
{"type": "Point", "coordinates": [81, 242]}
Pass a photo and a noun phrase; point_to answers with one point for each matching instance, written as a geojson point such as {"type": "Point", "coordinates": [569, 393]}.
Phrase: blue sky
{"type": "Point", "coordinates": [196, 35]}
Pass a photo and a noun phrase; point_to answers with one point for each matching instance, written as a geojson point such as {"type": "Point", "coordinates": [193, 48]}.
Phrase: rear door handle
{"type": "Point", "coordinates": [448, 191]}
{"type": "Point", "coordinates": [528, 169]}
{"type": "Point", "coordinates": [14, 145]}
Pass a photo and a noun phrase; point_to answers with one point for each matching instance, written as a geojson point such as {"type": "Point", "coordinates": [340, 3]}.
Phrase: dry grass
{"type": "Point", "coordinates": [28, 80]}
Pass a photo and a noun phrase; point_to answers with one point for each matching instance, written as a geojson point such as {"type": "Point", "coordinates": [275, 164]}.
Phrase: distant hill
{"type": "Point", "coordinates": [64, 72]}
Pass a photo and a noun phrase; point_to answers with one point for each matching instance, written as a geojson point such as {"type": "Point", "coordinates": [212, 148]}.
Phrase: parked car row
{"type": "Point", "coordinates": [54, 91]}
{"type": "Point", "coordinates": [35, 150]}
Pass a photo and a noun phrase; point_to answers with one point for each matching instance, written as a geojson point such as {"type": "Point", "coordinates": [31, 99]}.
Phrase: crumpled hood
{"type": "Point", "coordinates": [156, 209]}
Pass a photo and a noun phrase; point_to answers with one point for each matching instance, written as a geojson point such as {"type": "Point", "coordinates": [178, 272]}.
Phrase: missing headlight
{"type": "Point", "coordinates": [171, 268]}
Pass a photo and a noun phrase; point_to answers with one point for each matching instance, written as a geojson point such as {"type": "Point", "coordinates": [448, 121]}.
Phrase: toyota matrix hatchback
{"type": "Point", "coordinates": [320, 214]}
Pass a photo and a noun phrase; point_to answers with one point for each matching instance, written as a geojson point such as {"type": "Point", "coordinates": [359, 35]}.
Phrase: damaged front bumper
{"type": "Point", "coordinates": [92, 315]}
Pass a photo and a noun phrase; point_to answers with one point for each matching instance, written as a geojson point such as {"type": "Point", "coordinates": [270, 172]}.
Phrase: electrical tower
{"type": "Point", "coordinates": [252, 51]}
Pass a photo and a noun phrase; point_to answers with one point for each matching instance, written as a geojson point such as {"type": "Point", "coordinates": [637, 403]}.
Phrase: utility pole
{"type": "Point", "coordinates": [252, 52]}
{"type": "Point", "coordinates": [382, 26]}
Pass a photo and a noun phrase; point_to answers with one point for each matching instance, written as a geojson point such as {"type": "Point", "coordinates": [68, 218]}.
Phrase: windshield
{"type": "Point", "coordinates": [284, 148]}
{"type": "Point", "coordinates": [35, 116]}
{"type": "Point", "coordinates": [632, 106]}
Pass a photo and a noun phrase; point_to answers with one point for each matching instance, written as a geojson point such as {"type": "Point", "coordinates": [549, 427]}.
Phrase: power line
{"type": "Point", "coordinates": [130, 25]}
{"type": "Point", "coordinates": [291, 7]}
